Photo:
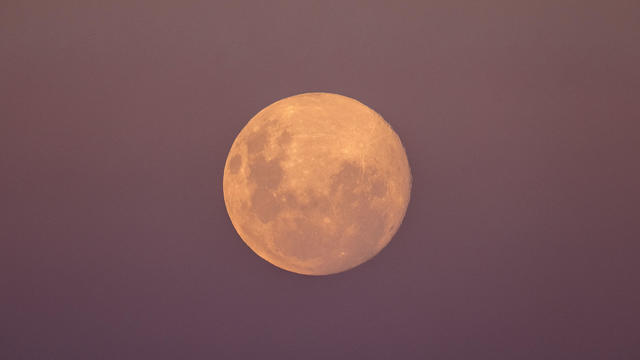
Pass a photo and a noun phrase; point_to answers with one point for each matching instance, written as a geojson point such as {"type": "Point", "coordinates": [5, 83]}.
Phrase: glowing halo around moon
{"type": "Point", "coordinates": [317, 183]}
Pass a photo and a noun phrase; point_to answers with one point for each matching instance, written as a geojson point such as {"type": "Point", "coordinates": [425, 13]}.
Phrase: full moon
{"type": "Point", "coordinates": [317, 183]}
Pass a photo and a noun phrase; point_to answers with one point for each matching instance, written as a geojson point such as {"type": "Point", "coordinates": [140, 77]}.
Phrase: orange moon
{"type": "Point", "coordinates": [317, 183]}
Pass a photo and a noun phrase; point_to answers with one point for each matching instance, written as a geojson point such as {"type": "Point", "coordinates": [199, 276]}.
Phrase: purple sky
{"type": "Point", "coordinates": [521, 121]}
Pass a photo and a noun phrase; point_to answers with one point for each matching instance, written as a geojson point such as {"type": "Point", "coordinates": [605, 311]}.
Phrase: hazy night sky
{"type": "Point", "coordinates": [521, 121]}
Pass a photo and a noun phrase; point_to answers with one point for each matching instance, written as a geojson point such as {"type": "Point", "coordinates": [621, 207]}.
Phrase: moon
{"type": "Point", "coordinates": [317, 183]}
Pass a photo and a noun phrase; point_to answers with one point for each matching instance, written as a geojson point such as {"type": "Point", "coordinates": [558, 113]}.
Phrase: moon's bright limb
{"type": "Point", "coordinates": [317, 183]}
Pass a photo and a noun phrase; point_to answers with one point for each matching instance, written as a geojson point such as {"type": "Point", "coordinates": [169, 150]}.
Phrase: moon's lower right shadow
{"type": "Point", "coordinates": [317, 183]}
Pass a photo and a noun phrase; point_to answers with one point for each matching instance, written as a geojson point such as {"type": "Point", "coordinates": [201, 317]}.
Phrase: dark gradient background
{"type": "Point", "coordinates": [520, 120]}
